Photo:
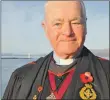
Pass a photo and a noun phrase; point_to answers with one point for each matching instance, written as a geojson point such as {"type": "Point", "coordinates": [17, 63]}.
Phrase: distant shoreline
{"type": "Point", "coordinates": [16, 58]}
{"type": "Point", "coordinates": [36, 57]}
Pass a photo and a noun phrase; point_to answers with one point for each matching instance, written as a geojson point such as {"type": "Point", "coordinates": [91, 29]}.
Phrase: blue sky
{"type": "Point", "coordinates": [22, 31]}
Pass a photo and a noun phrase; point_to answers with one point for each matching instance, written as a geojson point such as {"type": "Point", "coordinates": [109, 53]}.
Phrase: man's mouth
{"type": "Point", "coordinates": [69, 40]}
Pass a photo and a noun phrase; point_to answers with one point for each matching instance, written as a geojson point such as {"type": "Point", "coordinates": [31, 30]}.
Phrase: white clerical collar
{"type": "Point", "coordinates": [60, 61]}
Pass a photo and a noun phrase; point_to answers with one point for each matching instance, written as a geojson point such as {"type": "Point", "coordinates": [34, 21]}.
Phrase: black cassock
{"type": "Point", "coordinates": [25, 80]}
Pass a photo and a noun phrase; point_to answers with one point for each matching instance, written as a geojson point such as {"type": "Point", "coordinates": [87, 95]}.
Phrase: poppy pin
{"type": "Point", "coordinates": [40, 88]}
{"type": "Point", "coordinates": [86, 77]}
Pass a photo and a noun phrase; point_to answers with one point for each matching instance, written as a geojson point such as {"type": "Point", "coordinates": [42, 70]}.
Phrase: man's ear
{"type": "Point", "coordinates": [44, 25]}
{"type": "Point", "coordinates": [86, 30]}
{"type": "Point", "coordinates": [86, 27]}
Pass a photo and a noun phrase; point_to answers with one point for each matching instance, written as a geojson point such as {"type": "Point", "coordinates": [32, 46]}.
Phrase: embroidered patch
{"type": "Point", "coordinates": [87, 92]}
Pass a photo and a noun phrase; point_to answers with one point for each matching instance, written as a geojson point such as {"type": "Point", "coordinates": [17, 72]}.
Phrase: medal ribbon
{"type": "Point", "coordinates": [59, 94]}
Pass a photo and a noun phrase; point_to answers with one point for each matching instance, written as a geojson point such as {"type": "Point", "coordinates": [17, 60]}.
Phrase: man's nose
{"type": "Point", "coordinates": [67, 29]}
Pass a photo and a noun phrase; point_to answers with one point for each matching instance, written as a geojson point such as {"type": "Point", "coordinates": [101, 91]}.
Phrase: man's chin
{"type": "Point", "coordinates": [67, 52]}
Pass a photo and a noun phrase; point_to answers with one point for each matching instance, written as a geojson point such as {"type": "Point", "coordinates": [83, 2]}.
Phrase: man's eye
{"type": "Point", "coordinates": [76, 23]}
{"type": "Point", "coordinates": [57, 24]}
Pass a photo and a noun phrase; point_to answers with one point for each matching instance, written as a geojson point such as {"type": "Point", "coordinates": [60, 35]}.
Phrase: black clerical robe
{"type": "Point", "coordinates": [24, 81]}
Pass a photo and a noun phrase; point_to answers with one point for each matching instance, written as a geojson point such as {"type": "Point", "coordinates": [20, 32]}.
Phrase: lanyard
{"type": "Point", "coordinates": [60, 92]}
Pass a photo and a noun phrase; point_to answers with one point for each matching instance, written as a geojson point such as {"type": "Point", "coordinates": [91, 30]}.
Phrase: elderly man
{"type": "Point", "coordinates": [71, 71]}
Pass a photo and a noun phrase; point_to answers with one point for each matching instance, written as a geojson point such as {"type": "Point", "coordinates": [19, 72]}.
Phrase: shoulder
{"type": "Point", "coordinates": [105, 63]}
{"type": "Point", "coordinates": [23, 70]}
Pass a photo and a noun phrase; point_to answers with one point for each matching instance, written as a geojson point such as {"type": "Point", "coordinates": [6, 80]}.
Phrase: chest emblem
{"type": "Point", "coordinates": [87, 92]}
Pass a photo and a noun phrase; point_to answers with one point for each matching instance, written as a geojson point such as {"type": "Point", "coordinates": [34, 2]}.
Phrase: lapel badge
{"type": "Point", "coordinates": [35, 97]}
{"type": "Point", "coordinates": [39, 89]}
{"type": "Point", "coordinates": [87, 92]}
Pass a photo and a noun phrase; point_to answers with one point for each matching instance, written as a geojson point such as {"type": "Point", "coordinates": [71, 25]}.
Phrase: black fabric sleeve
{"type": "Point", "coordinates": [106, 67]}
{"type": "Point", "coordinates": [9, 88]}
{"type": "Point", "coordinates": [13, 87]}
{"type": "Point", "coordinates": [15, 82]}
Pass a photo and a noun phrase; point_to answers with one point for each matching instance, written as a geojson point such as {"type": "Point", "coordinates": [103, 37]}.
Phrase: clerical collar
{"type": "Point", "coordinates": [60, 61]}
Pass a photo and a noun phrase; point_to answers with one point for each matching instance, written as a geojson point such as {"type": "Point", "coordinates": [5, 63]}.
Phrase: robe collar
{"type": "Point", "coordinates": [87, 62]}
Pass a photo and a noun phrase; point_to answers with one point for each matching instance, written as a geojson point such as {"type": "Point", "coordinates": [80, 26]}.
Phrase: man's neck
{"type": "Point", "coordinates": [60, 61]}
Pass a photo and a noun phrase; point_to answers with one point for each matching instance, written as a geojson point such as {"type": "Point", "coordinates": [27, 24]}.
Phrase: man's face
{"type": "Point", "coordinates": [65, 26]}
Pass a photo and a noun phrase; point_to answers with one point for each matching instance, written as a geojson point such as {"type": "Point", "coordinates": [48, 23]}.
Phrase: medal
{"type": "Point", "coordinates": [51, 96]}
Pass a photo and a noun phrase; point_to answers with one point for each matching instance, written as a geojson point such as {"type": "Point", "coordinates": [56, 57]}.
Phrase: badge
{"type": "Point", "coordinates": [35, 97]}
{"type": "Point", "coordinates": [87, 92]}
{"type": "Point", "coordinates": [39, 89]}
{"type": "Point", "coordinates": [51, 96]}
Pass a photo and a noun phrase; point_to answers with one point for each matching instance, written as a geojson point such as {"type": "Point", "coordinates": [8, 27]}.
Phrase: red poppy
{"type": "Point", "coordinates": [86, 77]}
{"type": "Point", "coordinates": [40, 88]}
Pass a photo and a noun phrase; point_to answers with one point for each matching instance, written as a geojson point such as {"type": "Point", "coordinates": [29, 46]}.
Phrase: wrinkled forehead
{"type": "Point", "coordinates": [62, 3]}
{"type": "Point", "coordinates": [64, 7]}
